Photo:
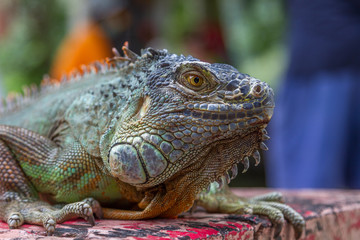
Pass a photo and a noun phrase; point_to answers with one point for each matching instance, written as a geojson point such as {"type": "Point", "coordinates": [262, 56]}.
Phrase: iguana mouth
{"type": "Point", "coordinates": [226, 111]}
{"type": "Point", "coordinates": [230, 111]}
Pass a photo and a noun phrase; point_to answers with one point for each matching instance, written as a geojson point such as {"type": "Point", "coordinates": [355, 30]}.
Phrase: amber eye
{"type": "Point", "coordinates": [194, 80]}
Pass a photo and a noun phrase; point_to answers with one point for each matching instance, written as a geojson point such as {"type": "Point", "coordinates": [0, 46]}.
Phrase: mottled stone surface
{"type": "Point", "coordinates": [329, 214]}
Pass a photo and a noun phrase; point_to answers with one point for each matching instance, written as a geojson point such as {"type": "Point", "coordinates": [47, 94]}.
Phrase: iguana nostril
{"type": "Point", "coordinates": [257, 90]}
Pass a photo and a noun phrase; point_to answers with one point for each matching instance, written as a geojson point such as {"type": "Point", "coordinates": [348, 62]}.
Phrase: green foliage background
{"type": "Point", "coordinates": [31, 41]}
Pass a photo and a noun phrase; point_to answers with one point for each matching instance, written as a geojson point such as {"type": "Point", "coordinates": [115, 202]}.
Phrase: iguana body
{"type": "Point", "coordinates": [147, 134]}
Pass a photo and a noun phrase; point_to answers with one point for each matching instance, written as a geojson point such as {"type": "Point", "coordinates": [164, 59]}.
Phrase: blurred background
{"type": "Point", "coordinates": [36, 37]}
{"type": "Point", "coordinates": [40, 37]}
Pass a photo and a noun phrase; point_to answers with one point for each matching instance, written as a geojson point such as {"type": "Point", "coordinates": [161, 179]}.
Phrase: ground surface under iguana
{"type": "Point", "coordinates": [147, 135]}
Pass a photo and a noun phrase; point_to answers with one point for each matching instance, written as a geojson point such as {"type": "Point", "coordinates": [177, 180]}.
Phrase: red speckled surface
{"type": "Point", "coordinates": [329, 214]}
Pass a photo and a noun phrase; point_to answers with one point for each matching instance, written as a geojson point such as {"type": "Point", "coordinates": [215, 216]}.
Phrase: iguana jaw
{"type": "Point", "coordinates": [176, 195]}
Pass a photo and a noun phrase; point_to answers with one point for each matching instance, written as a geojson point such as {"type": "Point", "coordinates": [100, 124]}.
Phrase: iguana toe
{"type": "Point", "coordinates": [15, 220]}
{"type": "Point", "coordinates": [269, 197]}
{"type": "Point", "coordinates": [80, 209]}
{"type": "Point", "coordinates": [295, 219]}
{"type": "Point", "coordinates": [275, 200]}
{"type": "Point", "coordinates": [270, 205]}
{"type": "Point", "coordinates": [95, 206]}
{"type": "Point", "coordinates": [49, 225]}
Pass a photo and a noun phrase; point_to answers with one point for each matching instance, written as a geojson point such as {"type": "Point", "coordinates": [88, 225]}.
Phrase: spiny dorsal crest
{"type": "Point", "coordinates": [15, 101]}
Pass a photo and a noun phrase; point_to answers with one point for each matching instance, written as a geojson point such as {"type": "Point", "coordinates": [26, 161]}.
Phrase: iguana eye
{"type": "Point", "coordinates": [194, 80]}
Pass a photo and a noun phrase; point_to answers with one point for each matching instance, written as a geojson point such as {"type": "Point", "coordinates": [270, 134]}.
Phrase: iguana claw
{"type": "Point", "coordinates": [270, 205]}
{"type": "Point", "coordinates": [15, 220]}
{"type": "Point", "coordinates": [41, 213]}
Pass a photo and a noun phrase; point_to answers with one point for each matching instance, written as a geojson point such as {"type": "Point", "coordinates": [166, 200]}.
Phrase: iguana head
{"type": "Point", "coordinates": [189, 124]}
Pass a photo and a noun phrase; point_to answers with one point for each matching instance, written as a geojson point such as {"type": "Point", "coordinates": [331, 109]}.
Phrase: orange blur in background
{"type": "Point", "coordinates": [85, 44]}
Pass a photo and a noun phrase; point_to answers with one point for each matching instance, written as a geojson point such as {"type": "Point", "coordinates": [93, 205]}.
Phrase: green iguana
{"type": "Point", "coordinates": [146, 133]}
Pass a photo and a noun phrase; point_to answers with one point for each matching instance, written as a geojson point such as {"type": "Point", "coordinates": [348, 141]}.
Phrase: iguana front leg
{"type": "Point", "coordinates": [19, 200]}
{"type": "Point", "coordinates": [271, 205]}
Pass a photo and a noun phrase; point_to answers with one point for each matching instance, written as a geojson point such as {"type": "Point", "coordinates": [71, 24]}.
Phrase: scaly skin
{"type": "Point", "coordinates": [147, 134]}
